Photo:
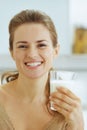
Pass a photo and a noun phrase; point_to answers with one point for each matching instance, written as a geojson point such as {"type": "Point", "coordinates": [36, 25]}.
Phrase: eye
{"type": "Point", "coordinates": [42, 45]}
{"type": "Point", "coordinates": [22, 46]}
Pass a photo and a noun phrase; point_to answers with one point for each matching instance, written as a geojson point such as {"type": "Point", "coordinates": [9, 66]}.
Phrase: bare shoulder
{"type": "Point", "coordinates": [6, 92]}
{"type": "Point", "coordinates": [3, 94]}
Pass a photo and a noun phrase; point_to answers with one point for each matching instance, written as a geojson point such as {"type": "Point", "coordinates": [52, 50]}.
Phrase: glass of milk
{"type": "Point", "coordinates": [63, 79]}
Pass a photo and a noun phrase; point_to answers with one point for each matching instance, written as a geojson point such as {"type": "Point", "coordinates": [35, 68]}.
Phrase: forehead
{"type": "Point", "coordinates": [31, 27]}
{"type": "Point", "coordinates": [33, 30]}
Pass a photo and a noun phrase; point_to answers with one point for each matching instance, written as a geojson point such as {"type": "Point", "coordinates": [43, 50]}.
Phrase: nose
{"type": "Point", "coordinates": [32, 52]}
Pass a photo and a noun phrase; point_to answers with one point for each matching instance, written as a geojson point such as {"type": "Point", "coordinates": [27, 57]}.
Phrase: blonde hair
{"type": "Point", "coordinates": [9, 76]}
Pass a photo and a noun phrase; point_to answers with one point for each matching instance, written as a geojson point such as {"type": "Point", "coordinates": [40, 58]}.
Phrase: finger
{"type": "Point", "coordinates": [64, 98]}
{"type": "Point", "coordinates": [62, 104]}
{"type": "Point", "coordinates": [67, 92]}
{"type": "Point", "coordinates": [64, 112]}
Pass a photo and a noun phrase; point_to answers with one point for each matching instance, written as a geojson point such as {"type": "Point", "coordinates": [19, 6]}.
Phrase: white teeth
{"type": "Point", "coordinates": [34, 64]}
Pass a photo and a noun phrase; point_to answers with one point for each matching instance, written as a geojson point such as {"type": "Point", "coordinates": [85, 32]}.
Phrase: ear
{"type": "Point", "coordinates": [56, 50]}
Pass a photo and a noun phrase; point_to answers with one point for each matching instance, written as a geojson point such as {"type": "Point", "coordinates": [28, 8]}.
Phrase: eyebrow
{"type": "Point", "coordinates": [38, 41]}
{"type": "Point", "coordinates": [42, 40]}
{"type": "Point", "coordinates": [21, 42]}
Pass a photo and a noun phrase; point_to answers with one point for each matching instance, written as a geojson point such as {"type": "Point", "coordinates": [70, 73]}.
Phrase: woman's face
{"type": "Point", "coordinates": [33, 50]}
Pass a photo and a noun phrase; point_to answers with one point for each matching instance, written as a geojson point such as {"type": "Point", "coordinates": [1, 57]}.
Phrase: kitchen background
{"type": "Point", "coordinates": [70, 18]}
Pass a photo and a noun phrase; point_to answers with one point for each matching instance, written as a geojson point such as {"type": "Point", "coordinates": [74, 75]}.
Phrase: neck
{"type": "Point", "coordinates": [31, 88]}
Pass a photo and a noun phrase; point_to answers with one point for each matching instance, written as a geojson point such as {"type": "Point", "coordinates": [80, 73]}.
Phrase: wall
{"type": "Point", "coordinates": [57, 9]}
{"type": "Point", "coordinates": [77, 16]}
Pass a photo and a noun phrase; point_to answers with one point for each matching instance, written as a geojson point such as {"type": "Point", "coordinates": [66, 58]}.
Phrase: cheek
{"type": "Point", "coordinates": [49, 60]}
{"type": "Point", "coordinates": [48, 55]}
{"type": "Point", "coordinates": [17, 55]}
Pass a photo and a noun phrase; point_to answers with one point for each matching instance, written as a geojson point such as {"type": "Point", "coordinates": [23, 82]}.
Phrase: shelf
{"type": "Point", "coordinates": [71, 62]}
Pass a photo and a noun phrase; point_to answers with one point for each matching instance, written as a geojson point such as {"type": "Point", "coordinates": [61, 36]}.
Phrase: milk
{"type": "Point", "coordinates": [63, 79]}
{"type": "Point", "coordinates": [69, 84]}
{"type": "Point", "coordinates": [72, 85]}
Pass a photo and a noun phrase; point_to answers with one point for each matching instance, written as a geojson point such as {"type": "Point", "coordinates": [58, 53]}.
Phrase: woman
{"type": "Point", "coordinates": [25, 99]}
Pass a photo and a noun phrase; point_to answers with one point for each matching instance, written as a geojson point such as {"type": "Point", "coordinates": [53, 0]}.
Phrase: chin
{"type": "Point", "coordinates": [38, 75]}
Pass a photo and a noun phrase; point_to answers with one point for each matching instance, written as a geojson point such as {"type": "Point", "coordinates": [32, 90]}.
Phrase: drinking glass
{"type": "Point", "coordinates": [63, 79]}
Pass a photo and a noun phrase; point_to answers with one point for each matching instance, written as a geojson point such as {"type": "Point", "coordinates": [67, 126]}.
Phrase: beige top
{"type": "Point", "coordinates": [57, 123]}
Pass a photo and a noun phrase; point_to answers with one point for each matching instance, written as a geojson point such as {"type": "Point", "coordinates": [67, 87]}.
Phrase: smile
{"type": "Point", "coordinates": [34, 64]}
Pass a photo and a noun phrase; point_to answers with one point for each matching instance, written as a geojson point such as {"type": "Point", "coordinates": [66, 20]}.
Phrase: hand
{"type": "Point", "coordinates": [69, 105]}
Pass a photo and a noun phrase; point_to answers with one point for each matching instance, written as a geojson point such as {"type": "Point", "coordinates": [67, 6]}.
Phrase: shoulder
{"type": "Point", "coordinates": [6, 94]}
{"type": "Point", "coordinates": [3, 95]}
